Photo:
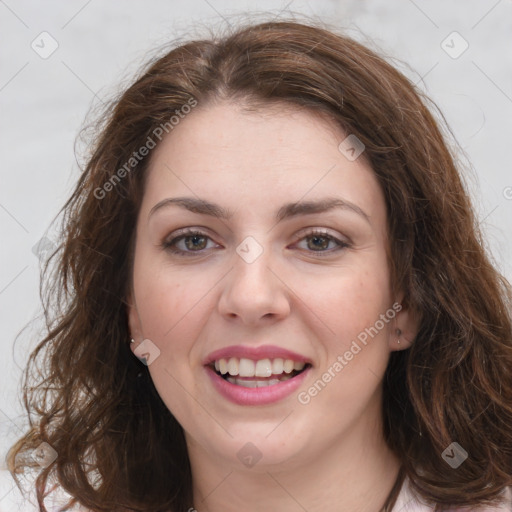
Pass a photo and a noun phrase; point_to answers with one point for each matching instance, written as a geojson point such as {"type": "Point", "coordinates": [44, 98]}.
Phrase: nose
{"type": "Point", "coordinates": [254, 292]}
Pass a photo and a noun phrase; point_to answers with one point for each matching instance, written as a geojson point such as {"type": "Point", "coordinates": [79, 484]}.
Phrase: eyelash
{"type": "Point", "coordinates": [186, 233]}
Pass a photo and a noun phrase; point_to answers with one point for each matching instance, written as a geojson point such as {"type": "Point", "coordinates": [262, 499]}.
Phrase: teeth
{"type": "Point", "coordinates": [257, 383]}
{"type": "Point", "coordinates": [263, 368]}
{"type": "Point", "coordinates": [250, 383]}
{"type": "Point", "coordinates": [277, 366]}
{"type": "Point", "coordinates": [288, 366]}
{"type": "Point", "coordinates": [223, 366]}
{"type": "Point", "coordinates": [233, 366]}
{"type": "Point", "coordinates": [298, 365]}
{"type": "Point", "coordinates": [246, 367]}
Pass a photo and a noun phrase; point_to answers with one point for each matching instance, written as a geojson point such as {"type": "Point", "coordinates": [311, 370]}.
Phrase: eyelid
{"type": "Point", "coordinates": [193, 230]}
{"type": "Point", "coordinates": [171, 240]}
{"type": "Point", "coordinates": [312, 231]}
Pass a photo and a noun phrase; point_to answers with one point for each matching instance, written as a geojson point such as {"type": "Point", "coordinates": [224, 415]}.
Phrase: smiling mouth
{"type": "Point", "coordinates": [257, 374]}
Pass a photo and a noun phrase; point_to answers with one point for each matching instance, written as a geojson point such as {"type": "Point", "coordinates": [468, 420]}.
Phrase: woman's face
{"type": "Point", "coordinates": [241, 265]}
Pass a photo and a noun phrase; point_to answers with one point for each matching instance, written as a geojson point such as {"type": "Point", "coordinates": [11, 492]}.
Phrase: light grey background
{"type": "Point", "coordinates": [43, 103]}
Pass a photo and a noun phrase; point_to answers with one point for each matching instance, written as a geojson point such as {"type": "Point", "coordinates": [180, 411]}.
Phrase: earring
{"type": "Point", "coordinates": [132, 341]}
{"type": "Point", "coordinates": [398, 333]}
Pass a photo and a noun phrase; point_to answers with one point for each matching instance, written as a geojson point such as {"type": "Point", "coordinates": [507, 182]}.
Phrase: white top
{"type": "Point", "coordinates": [11, 500]}
{"type": "Point", "coordinates": [408, 502]}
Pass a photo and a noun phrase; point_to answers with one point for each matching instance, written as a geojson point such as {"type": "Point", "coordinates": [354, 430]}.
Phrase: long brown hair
{"type": "Point", "coordinates": [118, 445]}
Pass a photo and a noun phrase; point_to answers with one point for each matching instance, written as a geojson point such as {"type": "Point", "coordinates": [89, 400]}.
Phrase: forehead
{"type": "Point", "coordinates": [259, 158]}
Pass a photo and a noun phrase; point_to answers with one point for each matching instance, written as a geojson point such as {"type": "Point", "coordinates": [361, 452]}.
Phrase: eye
{"type": "Point", "coordinates": [191, 242]}
{"type": "Point", "coordinates": [322, 242]}
{"type": "Point", "coordinates": [187, 242]}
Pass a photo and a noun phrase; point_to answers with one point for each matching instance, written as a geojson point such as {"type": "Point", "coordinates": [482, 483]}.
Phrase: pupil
{"type": "Point", "coordinates": [195, 244]}
{"type": "Point", "coordinates": [323, 245]}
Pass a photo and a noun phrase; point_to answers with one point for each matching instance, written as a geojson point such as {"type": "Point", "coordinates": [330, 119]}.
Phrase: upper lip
{"type": "Point", "coordinates": [254, 353]}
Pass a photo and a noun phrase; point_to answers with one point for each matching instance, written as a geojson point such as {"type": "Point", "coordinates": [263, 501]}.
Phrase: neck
{"type": "Point", "coordinates": [355, 474]}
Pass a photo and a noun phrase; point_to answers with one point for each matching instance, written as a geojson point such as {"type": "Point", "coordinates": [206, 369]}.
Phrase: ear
{"type": "Point", "coordinates": [134, 323]}
{"type": "Point", "coordinates": [405, 327]}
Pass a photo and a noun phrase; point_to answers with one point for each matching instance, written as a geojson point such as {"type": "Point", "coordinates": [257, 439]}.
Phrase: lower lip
{"type": "Point", "coordinates": [256, 396]}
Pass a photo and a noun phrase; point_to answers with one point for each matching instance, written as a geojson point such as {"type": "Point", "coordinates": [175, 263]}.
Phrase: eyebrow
{"type": "Point", "coordinates": [289, 210]}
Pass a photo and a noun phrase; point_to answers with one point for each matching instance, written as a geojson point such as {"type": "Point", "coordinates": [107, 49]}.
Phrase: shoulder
{"type": "Point", "coordinates": [407, 501]}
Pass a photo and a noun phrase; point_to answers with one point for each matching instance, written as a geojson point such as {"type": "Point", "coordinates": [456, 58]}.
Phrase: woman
{"type": "Point", "coordinates": [273, 295]}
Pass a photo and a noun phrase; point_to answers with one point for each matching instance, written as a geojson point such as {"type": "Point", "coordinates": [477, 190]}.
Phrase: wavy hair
{"type": "Point", "coordinates": [119, 447]}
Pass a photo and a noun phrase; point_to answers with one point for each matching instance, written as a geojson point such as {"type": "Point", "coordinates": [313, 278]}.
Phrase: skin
{"type": "Point", "coordinates": [188, 306]}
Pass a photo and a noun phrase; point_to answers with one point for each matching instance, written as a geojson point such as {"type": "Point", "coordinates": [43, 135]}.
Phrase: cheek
{"type": "Point", "coordinates": [356, 356]}
{"type": "Point", "coordinates": [351, 300]}
{"type": "Point", "coordinates": [172, 305]}
{"type": "Point", "coordinates": [168, 300]}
